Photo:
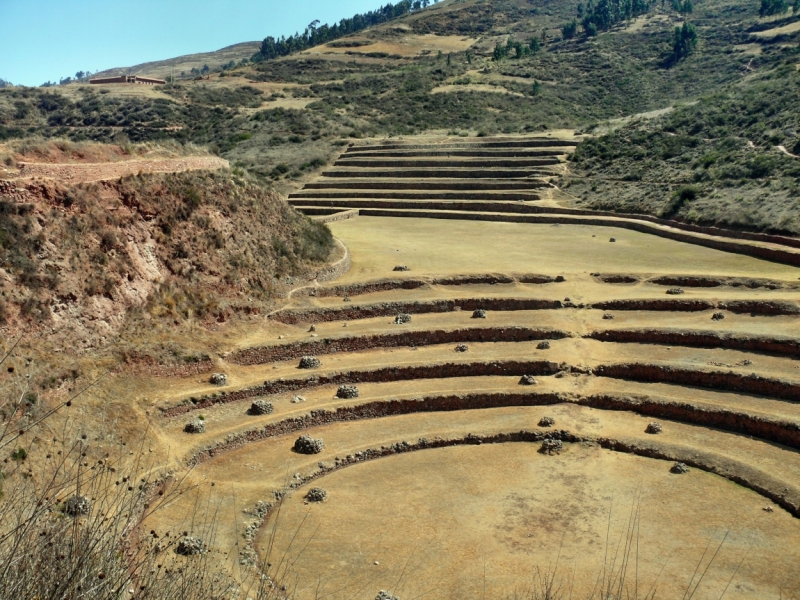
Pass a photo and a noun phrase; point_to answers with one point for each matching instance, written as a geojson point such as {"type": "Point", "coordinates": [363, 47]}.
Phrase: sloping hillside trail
{"type": "Point", "coordinates": [90, 172]}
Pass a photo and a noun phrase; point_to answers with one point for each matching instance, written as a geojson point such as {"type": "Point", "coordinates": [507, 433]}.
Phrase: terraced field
{"type": "Point", "coordinates": [444, 475]}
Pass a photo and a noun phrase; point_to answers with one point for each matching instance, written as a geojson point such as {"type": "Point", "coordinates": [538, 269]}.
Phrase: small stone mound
{"type": "Point", "coordinates": [347, 391]}
{"type": "Point", "coordinates": [551, 447]}
{"type": "Point", "coordinates": [679, 468]}
{"type": "Point", "coordinates": [547, 422]}
{"type": "Point", "coordinates": [545, 345]}
{"type": "Point", "coordinates": [261, 407]}
{"type": "Point", "coordinates": [309, 362]}
{"type": "Point", "coordinates": [560, 279]}
{"type": "Point", "coordinates": [479, 314]}
{"type": "Point", "coordinates": [190, 546]}
{"type": "Point", "coordinates": [218, 379]}
{"type": "Point", "coordinates": [613, 240]}
{"type": "Point", "coordinates": [196, 426]}
{"type": "Point", "coordinates": [567, 300]}
{"type": "Point", "coordinates": [717, 316]}
{"type": "Point", "coordinates": [316, 495]}
{"type": "Point", "coordinates": [298, 399]}
{"type": "Point", "coordinates": [305, 444]}
{"type": "Point", "coordinates": [608, 316]}
{"type": "Point", "coordinates": [384, 595]}
{"type": "Point", "coordinates": [401, 268]}
{"type": "Point", "coordinates": [653, 428]}
{"type": "Point", "coordinates": [312, 328]}
{"type": "Point", "coordinates": [346, 299]}
{"type": "Point", "coordinates": [78, 506]}
{"type": "Point", "coordinates": [675, 291]}
{"type": "Point", "coordinates": [462, 348]}
{"type": "Point", "coordinates": [528, 380]}
{"type": "Point", "coordinates": [402, 319]}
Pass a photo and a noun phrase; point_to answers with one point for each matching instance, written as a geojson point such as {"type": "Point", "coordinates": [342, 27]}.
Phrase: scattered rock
{"type": "Point", "coordinates": [298, 399]}
{"type": "Point", "coordinates": [78, 506]}
{"type": "Point", "coordinates": [608, 316]}
{"type": "Point", "coordinates": [560, 279]}
{"type": "Point", "coordinates": [528, 380]}
{"type": "Point", "coordinates": [401, 268]}
{"type": "Point", "coordinates": [462, 348]}
{"type": "Point", "coordinates": [717, 316]}
{"type": "Point", "coordinates": [653, 428]}
{"type": "Point", "coordinates": [305, 444]}
{"type": "Point", "coordinates": [191, 546]}
{"type": "Point", "coordinates": [547, 422]}
{"type": "Point", "coordinates": [309, 362]}
{"type": "Point", "coordinates": [551, 447]}
{"type": "Point", "coordinates": [261, 407]}
{"type": "Point", "coordinates": [479, 314]}
{"type": "Point", "coordinates": [545, 345]}
{"type": "Point", "coordinates": [613, 240]}
{"type": "Point", "coordinates": [679, 468]}
{"type": "Point", "coordinates": [347, 391]}
{"type": "Point", "coordinates": [196, 426]}
{"type": "Point", "coordinates": [384, 595]}
{"type": "Point", "coordinates": [218, 379]}
{"type": "Point", "coordinates": [402, 319]}
{"type": "Point", "coordinates": [567, 300]}
{"type": "Point", "coordinates": [675, 291]}
{"type": "Point", "coordinates": [316, 495]}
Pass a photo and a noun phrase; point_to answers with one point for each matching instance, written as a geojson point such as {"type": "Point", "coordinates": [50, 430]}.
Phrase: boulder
{"type": "Point", "coordinates": [653, 428]}
{"type": "Point", "coordinates": [462, 348]}
{"type": "Point", "coordinates": [479, 314]}
{"type": "Point", "coordinates": [547, 422]}
{"type": "Point", "coordinates": [261, 407]}
{"type": "Point", "coordinates": [401, 268]}
{"type": "Point", "coordinates": [528, 380]}
{"type": "Point", "coordinates": [347, 391]}
{"type": "Point", "coordinates": [402, 319]}
{"type": "Point", "coordinates": [218, 379]}
{"type": "Point", "coordinates": [309, 362]}
{"type": "Point", "coordinates": [545, 345]}
{"type": "Point", "coordinates": [679, 468]}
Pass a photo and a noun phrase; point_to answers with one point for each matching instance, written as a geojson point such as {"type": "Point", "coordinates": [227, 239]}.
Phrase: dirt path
{"type": "Point", "coordinates": [82, 173]}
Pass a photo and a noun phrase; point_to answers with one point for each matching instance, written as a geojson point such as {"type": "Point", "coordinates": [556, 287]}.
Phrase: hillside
{"type": "Point", "coordinates": [433, 71]}
{"type": "Point", "coordinates": [181, 66]}
{"type": "Point", "coordinates": [78, 261]}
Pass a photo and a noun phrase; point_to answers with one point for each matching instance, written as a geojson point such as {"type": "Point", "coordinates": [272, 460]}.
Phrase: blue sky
{"type": "Point", "coordinates": [43, 40]}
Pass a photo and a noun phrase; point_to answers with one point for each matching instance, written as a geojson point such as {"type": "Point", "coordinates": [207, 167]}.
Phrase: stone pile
{"type": "Point", "coordinates": [309, 362]}
{"type": "Point", "coordinates": [462, 348]}
{"type": "Point", "coordinates": [78, 506]}
{"type": "Point", "coordinates": [219, 379]}
{"type": "Point", "coordinates": [347, 391]}
{"type": "Point", "coordinates": [191, 546]}
{"type": "Point", "coordinates": [551, 447]}
{"type": "Point", "coordinates": [305, 444]}
{"type": "Point", "coordinates": [261, 407]}
{"type": "Point", "coordinates": [545, 345]}
{"type": "Point", "coordinates": [401, 268]}
{"type": "Point", "coordinates": [196, 426]}
{"type": "Point", "coordinates": [479, 314]}
{"type": "Point", "coordinates": [717, 316]}
{"type": "Point", "coordinates": [547, 422]}
{"type": "Point", "coordinates": [653, 428]}
{"type": "Point", "coordinates": [402, 319]}
{"type": "Point", "coordinates": [608, 316]}
{"type": "Point", "coordinates": [384, 595]}
{"type": "Point", "coordinates": [528, 380]}
{"type": "Point", "coordinates": [679, 468]}
{"type": "Point", "coordinates": [316, 495]}
{"type": "Point", "coordinates": [675, 291]}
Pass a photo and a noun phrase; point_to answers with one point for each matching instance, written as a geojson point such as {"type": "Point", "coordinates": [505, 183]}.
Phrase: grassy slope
{"type": "Point", "coordinates": [284, 119]}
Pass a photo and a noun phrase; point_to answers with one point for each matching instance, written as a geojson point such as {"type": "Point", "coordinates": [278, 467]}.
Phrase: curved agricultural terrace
{"type": "Point", "coordinates": [505, 432]}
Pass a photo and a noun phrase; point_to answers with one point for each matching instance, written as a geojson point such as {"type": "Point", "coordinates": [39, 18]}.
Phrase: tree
{"type": "Point", "coordinates": [796, 7]}
{"type": "Point", "coordinates": [590, 29]}
{"type": "Point", "coordinates": [537, 87]}
{"type": "Point", "coordinates": [469, 54]}
{"type": "Point", "coordinates": [535, 45]}
{"type": "Point", "coordinates": [684, 41]}
{"type": "Point", "coordinates": [773, 7]}
{"type": "Point", "coordinates": [570, 29]}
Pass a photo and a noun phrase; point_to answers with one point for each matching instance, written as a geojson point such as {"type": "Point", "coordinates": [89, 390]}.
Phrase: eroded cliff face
{"type": "Point", "coordinates": [76, 259]}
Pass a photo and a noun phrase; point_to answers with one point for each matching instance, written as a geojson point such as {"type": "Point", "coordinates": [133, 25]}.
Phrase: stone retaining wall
{"type": "Point", "coordinates": [276, 353]}
{"type": "Point", "coordinates": [390, 309]}
{"type": "Point", "coordinates": [700, 339]}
